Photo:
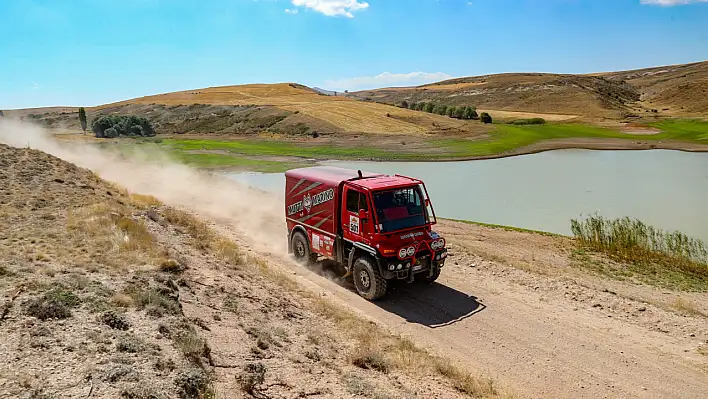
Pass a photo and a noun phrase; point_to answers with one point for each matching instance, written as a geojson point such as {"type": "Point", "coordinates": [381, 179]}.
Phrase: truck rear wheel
{"type": "Point", "coordinates": [367, 279]}
{"type": "Point", "coordinates": [301, 249]}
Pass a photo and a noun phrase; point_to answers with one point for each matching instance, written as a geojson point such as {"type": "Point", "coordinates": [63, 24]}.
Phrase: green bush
{"type": "Point", "coordinates": [413, 106]}
{"type": "Point", "coordinates": [440, 109]}
{"type": "Point", "coordinates": [404, 104]}
{"type": "Point", "coordinates": [459, 113]}
{"type": "Point", "coordinates": [470, 113]}
{"type": "Point", "coordinates": [121, 125]}
{"type": "Point", "coordinates": [531, 121]}
{"type": "Point", "coordinates": [450, 111]}
{"type": "Point", "coordinates": [429, 107]}
{"type": "Point", "coordinates": [485, 118]}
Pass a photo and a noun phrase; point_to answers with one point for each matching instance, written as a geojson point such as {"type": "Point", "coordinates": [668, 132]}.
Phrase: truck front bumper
{"type": "Point", "coordinates": [424, 264]}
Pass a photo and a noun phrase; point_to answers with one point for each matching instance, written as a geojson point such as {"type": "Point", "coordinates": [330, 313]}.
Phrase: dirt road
{"type": "Point", "coordinates": [542, 335]}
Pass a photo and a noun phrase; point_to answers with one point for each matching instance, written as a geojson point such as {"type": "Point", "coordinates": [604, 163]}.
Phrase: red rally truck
{"type": "Point", "coordinates": [379, 227]}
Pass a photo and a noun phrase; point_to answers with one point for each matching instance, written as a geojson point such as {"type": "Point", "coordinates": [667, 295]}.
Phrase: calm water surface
{"type": "Point", "coordinates": [668, 189]}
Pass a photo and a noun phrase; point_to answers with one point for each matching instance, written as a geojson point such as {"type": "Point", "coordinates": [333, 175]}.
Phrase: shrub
{"type": "Point", "coordinates": [130, 344]}
{"type": "Point", "coordinates": [114, 320]}
{"type": "Point", "coordinates": [404, 104]}
{"type": "Point", "coordinates": [47, 308]}
{"type": "Point", "coordinates": [372, 361]}
{"type": "Point", "coordinates": [531, 121]}
{"type": "Point", "coordinates": [470, 113]}
{"type": "Point", "coordinates": [252, 376]}
{"type": "Point", "coordinates": [450, 111]}
{"type": "Point", "coordinates": [194, 383]}
{"type": "Point", "coordinates": [459, 113]}
{"type": "Point", "coordinates": [440, 109]}
{"type": "Point", "coordinates": [121, 125]}
{"type": "Point", "coordinates": [429, 107]}
{"type": "Point", "coordinates": [485, 118]}
{"type": "Point", "coordinates": [413, 106]}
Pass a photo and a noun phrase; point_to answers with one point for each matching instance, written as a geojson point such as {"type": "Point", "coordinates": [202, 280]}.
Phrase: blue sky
{"type": "Point", "coordinates": [90, 52]}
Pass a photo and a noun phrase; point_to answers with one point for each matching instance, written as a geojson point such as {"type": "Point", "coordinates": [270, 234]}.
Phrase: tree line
{"type": "Point", "coordinates": [467, 113]}
{"type": "Point", "coordinates": [110, 126]}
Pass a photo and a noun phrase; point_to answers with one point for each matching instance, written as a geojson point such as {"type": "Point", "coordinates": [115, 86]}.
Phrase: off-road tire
{"type": "Point", "coordinates": [368, 280]}
{"type": "Point", "coordinates": [427, 278]}
{"type": "Point", "coordinates": [300, 248]}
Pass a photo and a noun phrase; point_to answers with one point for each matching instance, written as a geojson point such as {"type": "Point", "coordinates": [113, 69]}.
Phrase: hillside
{"type": "Point", "coordinates": [289, 109]}
{"type": "Point", "coordinates": [670, 90]}
{"type": "Point", "coordinates": [108, 294]}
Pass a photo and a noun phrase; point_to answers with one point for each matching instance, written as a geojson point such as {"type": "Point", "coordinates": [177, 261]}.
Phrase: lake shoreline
{"type": "Point", "coordinates": [549, 145]}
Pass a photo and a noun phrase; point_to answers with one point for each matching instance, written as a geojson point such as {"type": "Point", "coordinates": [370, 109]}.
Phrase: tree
{"type": "Point", "coordinates": [413, 106]}
{"type": "Point", "coordinates": [82, 118]}
{"type": "Point", "coordinates": [450, 111]}
{"type": "Point", "coordinates": [440, 109]}
{"type": "Point", "coordinates": [404, 104]}
{"type": "Point", "coordinates": [121, 125]}
{"type": "Point", "coordinates": [420, 106]}
{"type": "Point", "coordinates": [470, 113]}
{"type": "Point", "coordinates": [485, 118]}
{"type": "Point", "coordinates": [1, 114]}
{"type": "Point", "coordinates": [459, 113]}
{"type": "Point", "coordinates": [429, 107]}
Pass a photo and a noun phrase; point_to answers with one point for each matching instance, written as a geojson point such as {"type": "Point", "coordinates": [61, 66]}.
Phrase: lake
{"type": "Point", "coordinates": [668, 189]}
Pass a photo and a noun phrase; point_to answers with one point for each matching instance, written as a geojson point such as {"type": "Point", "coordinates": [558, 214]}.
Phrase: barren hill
{"type": "Point", "coordinates": [671, 90]}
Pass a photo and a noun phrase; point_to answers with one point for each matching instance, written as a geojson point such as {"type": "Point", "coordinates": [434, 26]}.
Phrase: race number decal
{"type": "Point", "coordinates": [354, 224]}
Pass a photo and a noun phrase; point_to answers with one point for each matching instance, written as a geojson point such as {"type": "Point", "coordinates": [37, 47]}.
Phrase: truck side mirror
{"type": "Point", "coordinates": [363, 214]}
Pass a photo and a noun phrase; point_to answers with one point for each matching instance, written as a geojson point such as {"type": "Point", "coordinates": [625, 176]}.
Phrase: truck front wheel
{"type": "Point", "coordinates": [367, 279]}
{"type": "Point", "coordinates": [301, 249]}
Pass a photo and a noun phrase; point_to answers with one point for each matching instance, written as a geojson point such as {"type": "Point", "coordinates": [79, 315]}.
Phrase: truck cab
{"type": "Point", "coordinates": [378, 227]}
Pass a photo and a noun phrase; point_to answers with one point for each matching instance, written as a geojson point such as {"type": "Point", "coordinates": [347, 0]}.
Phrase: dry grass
{"type": "Point", "coordinates": [228, 251]}
{"type": "Point", "coordinates": [344, 113]}
{"type": "Point", "coordinates": [144, 201]}
{"type": "Point", "coordinates": [202, 235]}
{"type": "Point", "coordinates": [687, 306]}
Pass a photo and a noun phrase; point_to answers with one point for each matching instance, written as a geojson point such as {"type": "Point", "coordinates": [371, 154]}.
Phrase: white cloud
{"type": "Point", "coordinates": [671, 3]}
{"type": "Point", "coordinates": [332, 8]}
{"type": "Point", "coordinates": [291, 10]}
{"type": "Point", "coordinates": [35, 85]}
{"type": "Point", "coordinates": [386, 79]}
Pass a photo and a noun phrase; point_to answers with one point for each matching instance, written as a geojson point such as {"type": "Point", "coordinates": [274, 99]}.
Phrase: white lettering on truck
{"type": "Point", "coordinates": [310, 201]}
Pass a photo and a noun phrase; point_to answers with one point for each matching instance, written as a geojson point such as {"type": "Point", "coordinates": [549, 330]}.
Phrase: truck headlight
{"type": "Point", "coordinates": [411, 251]}
{"type": "Point", "coordinates": [391, 267]}
{"type": "Point", "coordinates": [402, 253]}
{"type": "Point", "coordinates": [400, 266]}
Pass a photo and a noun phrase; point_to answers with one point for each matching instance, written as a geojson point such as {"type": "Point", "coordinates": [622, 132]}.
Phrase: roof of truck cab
{"type": "Point", "coordinates": [333, 175]}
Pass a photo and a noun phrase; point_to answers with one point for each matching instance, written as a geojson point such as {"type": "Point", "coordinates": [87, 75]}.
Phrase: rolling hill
{"type": "Point", "coordinates": [295, 110]}
{"type": "Point", "coordinates": [677, 90]}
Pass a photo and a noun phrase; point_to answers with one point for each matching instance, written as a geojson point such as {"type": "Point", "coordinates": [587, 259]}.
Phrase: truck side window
{"type": "Point", "coordinates": [352, 201]}
{"type": "Point", "coordinates": [362, 202]}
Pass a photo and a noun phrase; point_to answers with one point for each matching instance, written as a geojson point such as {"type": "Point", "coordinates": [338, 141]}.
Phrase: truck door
{"type": "Point", "coordinates": [354, 227]}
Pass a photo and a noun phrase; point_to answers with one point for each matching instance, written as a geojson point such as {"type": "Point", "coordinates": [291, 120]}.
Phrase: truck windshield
{"type": "Point", "coordinates": [399, 209]}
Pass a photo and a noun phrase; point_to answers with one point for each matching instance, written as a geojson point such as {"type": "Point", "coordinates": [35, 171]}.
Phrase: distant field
{"type": "Point", "coordinates": [276, 156]}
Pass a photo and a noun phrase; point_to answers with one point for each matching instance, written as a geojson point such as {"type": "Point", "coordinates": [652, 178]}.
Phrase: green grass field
{"type": "Point", "coordinates": [249, 153]}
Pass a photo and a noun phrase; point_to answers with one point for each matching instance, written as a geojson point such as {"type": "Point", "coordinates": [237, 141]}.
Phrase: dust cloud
{"type": "Point", "coordinates": [256, 216]}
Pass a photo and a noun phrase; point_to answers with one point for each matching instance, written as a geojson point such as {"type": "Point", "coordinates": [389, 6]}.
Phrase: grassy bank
{"type": "Point", "coordinates": [269, 155]}
{"type": "Point", "coordinates": [669, 259]}
{"type": "Point", "coordinates": [503, 227]}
